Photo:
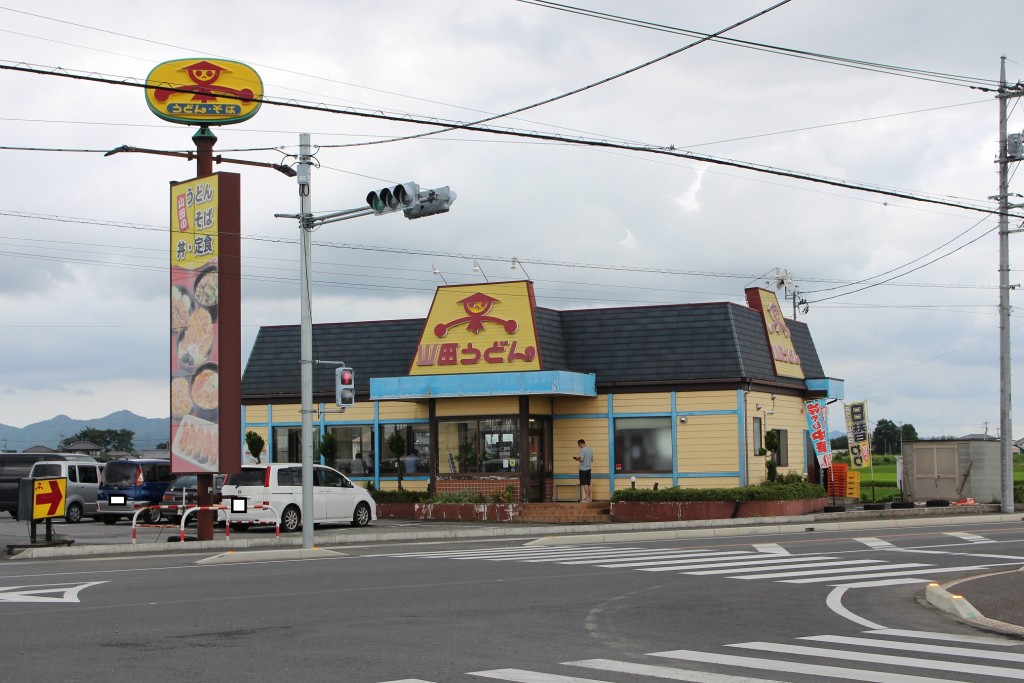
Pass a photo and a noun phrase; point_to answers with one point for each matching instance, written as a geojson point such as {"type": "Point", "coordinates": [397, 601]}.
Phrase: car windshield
{"type": "Point", "coordinates": [252, 476]}
{"type": "Point", "coordinates": [46, 470]}
{"type": "Point", "coordinates": [120, 473]}
{"type": "Point", "coordinates": [185, 481]}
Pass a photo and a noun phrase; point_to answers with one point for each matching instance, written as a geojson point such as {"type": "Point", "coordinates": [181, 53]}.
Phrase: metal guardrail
{"type": "Point", "coordinates": [180, 526]}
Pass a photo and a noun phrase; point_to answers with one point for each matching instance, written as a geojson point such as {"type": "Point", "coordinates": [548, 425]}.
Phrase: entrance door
{"type": "Point", "coordinates": [540, 463]}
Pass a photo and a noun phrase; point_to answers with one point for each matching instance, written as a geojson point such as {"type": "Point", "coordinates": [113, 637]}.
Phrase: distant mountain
{"type": "Point", "coordinates": [149, 431]}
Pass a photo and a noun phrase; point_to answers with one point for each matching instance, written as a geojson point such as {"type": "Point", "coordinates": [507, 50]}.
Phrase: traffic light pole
{"type": "Point", "coordinates": [306, 338]}
{"type": "Point", "coordinates": [414, 205]}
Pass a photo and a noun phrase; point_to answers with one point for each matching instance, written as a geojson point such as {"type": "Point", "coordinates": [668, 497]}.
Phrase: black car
{"type": "Point", "coordinates": [183, 491]}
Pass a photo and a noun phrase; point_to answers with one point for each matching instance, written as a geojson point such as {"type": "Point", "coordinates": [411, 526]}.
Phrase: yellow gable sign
{"type": "Point", "coordinates": [780, 342]}
{"type": "Point", "coordinates": [199, 91]}
{"type": "Point", "coordinates": [479, 328]}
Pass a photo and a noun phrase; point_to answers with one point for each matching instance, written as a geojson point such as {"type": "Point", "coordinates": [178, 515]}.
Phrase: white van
{"type": "Point", "coordinates": [83, 483]}
{"type": "Point", "coordinates": [279, 485]}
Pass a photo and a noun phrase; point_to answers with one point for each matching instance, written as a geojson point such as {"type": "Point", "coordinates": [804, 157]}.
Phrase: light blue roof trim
{"type": "Point", "coordinates": [833, 388]}
{"type": "Point", "coordinates": [483, 384]}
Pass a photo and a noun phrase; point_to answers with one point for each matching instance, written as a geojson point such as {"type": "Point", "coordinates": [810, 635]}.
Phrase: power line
{"type": "Point", "coordinates": [669, 150]}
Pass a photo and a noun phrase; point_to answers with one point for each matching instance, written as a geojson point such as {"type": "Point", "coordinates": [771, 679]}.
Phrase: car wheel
{"type": "Point", "coordinates": [73, 515]}
{"type": "Point", "coordinates": [176, 519]}
{"type": "Point", "coordinates": [150, 516]}
{"type": "Point", "coordinates": [290, 519]}
{"type": "Point", "coordinates": [109, 519]}
{"type": "Point", "coordinates": [902, 505]}
{"type": "Point", "coordinates": [362, 515]}
{"type": "Point", "coordinates": [239, 526]}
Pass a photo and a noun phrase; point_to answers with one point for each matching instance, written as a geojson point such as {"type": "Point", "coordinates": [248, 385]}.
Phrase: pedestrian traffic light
{"type": "Point", "coordinates": [431, 202]}
{"type": "Point", "coordinates": [394, 198]}
{"type": "Point", "coordinates": [345, 386]}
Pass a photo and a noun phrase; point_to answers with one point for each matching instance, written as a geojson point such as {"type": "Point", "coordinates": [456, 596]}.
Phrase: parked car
{"type": "Point", "coordinates": [16, 466]}
{"type": "Point", "coordinates": [184, 491]}
{"type": "Point", "coordinates": [82, 486]}
{"type": "Point", "coordinates": [335, 497]}
{"type": "Point", "coordinates": [128, 485]}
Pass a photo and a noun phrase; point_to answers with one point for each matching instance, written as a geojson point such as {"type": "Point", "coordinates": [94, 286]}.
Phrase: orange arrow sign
{"type": "Point", "coordinates": [54, 497]}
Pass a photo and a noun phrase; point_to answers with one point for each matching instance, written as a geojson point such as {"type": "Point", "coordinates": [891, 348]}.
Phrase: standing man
{"type": "Point", "coordinates": [586, 461]}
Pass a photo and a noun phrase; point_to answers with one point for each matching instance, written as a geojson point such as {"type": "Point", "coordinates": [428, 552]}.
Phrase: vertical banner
{"type": "Point", "coordinates": [857, 434]}
{"type": "Point", "coordinates": [205, 326]}
{"type": "Point", "coordinates": [817, 424]}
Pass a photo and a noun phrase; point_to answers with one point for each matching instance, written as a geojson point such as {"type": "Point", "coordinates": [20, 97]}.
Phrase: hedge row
{"type": "Point", "coordinates": [800, 490]}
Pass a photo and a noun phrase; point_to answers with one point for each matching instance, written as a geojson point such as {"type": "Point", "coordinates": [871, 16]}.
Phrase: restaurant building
{"type": "Point", "coordinates": [490, 391]}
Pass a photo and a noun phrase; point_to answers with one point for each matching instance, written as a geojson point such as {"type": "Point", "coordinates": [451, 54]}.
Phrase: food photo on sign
{"type": "Point", "coordinates": [194, 343]}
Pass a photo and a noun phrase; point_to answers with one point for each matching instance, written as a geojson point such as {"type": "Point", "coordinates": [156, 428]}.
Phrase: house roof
{"type": "Point", "coordinates": [646, 345]}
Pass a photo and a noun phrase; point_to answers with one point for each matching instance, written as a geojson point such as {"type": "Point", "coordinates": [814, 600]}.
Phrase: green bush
{"type": "Point", "coordinates": [1018, 493]}
{"type": "Point", "coordinates": [788, 490]}
{"type": "Point", "coordinates": [400, 496]}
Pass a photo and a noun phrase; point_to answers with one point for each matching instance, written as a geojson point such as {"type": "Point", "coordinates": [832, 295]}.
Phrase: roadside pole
{"type": "Point", "coordinates": [306, 338]}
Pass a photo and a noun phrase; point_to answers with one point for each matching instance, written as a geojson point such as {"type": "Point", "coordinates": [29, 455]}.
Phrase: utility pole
{"type": "Point", "coordinates": [1005, 421]}
{"type": "Point", "coordinates": [306, 339]}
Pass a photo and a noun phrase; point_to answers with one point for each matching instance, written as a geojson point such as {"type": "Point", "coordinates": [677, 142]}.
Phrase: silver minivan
{"type": "Point", "coordinates": [83, 483]}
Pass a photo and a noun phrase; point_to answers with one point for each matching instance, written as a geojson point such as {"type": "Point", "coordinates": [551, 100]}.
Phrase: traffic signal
{"type": "Point", "coordinates": [345, 386]}
{"type": "Point", "coordinates": [395, 198]}
{"type": "Point", "coordinates": [431, 202]}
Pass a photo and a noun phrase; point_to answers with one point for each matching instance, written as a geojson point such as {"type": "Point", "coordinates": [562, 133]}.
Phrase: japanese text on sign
{"type": "Point", "coordinates": [817, 423]}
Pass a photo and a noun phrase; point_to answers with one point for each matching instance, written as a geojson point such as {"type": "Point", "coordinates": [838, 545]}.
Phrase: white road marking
{"type": "Point", "coordinates": [666, 672]}
{"type": "Point", "coordinates": [915, 572]}
{"type": "Point", "coordinates": [918, 648]}
{"type": "Point", "coordinates": [893, 660]}
{"type": "Point", "coordinates": [876, 543]}
{"type": "Point", "coordinates": [797, 667]}
{"type": "Point", "coordinates": [973, 538]}
{"type": "Point", "coordinates": [956, 637]}
{"type": "Point", "coordinates": [522, 676]}
{"type": "Point", "coordinates": [61, 592]}
{"type": "Point", "coordinates": [770, 549]}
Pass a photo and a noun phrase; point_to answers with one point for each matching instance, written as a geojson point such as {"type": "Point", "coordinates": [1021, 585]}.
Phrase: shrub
{"type": "Point", "coordinates": [400, 496]}
{"type": "Point", "coordinates": [789, 490]}
{"type": "Point", "coordinates": [1018, 493]}
{"type": "Point", "coordinates": [457, 497]}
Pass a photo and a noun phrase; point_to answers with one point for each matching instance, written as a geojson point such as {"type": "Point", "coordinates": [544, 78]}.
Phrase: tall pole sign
{"type": "Point", "coordinates": [205, 269]}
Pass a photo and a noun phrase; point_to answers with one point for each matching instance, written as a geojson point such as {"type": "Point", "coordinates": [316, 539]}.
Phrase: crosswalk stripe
{"type": "Point", "coordinates": [783, 569]}
{"type": "Point", "coordinates": [661, 558]}
{"type": "Point", "coordinates": [957, 637]}
{"type": "Point", "coordinates": [523, 676]}
{"type": "Point", "coordinates": [585, 558]}
{"type": "Point", "coordinates": [666, 672]}
{"type": "Point", "coordinates": [919, 647]}
{"type": "Point", "coordinates": [726, 562]}
{"type": "Point", "coordinates": [770, 549]}
{"type": "Point", "coordinates": [819, 670]}
{"type": "Point", "coordinates": [894, 660]}
{"type": "Point", "coordinates": [876, 543]}
{"type": "Point", "coordinates": [973, 538]}
{"type": "Point", "coordinates": [914, 572]}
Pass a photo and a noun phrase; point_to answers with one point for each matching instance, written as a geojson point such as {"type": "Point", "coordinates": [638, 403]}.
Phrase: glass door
{"type": "Point", "coordinates": [540, 462]}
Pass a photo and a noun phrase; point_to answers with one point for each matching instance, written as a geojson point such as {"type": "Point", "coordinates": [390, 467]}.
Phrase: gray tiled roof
{"type": "Point", "coordinates": [623, 346]}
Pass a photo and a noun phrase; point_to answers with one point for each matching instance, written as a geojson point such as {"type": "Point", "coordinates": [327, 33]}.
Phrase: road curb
{"type": "Point", "coordinates": [276, 555]}
{"type": "Point", "coordinates": [938, 596]}
{"type": "Point", "coordinates": [547, 534]}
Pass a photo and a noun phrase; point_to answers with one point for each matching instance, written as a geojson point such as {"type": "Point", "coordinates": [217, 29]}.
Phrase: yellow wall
{"type": "Point", "coordinates": [708, 443]}
{"type": "Point", "coordinates": [402, 410]}
{"type": "Point", "coordinates": [788, 415]}
{"type": "Point", "coordinates": [581, 406]}
{"type": "Point", "coordinates": [541, 405]}
{"type": "Point", "coordinates": [499, 405]}
{"type": "Point", "coordinates": [568, 432]}
{"type": "Point", "coordinates": [643, 403]}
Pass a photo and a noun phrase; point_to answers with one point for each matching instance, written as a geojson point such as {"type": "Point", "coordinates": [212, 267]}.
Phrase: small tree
{"type": "Point", "coordinates": [255, 443]}
{"type": "Point", "coordinates": [328, 446]}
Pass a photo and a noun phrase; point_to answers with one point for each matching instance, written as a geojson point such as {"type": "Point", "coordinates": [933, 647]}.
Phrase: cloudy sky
{"type": "Point", "coordinates": [902, 295]}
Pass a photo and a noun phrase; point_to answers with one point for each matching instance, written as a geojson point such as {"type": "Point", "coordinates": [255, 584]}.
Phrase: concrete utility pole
{"type": "Point", "coordinates": [1005, 404]}
{"type": "Point", "coordinates": [306, 339]}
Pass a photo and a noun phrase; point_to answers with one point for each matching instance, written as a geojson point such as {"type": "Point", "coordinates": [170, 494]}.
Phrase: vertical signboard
{"type": "Point", "coordinates": [817, 424]}
{"type": "Point", "coordinates": [205, 330]}
{"type": "Point", "coordinates": [780, 340]}
{"type": "Point", "coordinates": [857, 434]}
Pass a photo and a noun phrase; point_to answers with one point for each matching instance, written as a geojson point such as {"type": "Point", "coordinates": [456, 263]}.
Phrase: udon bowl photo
{"type": "Point", "coordinates": [204, 390]}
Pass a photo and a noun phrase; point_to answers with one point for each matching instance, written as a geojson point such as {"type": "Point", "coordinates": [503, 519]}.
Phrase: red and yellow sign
{"type": "Point", "coordinates": [780, 341]}
{"type": "Point", "coordinates": [204, 91]}
{"type": "Point", "coordinates": [49, 497]}
{"type": "Point", "coordinates": [479, 328]}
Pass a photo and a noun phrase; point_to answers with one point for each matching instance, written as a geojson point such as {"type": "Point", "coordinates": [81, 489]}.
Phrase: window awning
{"type": "Point", "coordinates": [540, 383]}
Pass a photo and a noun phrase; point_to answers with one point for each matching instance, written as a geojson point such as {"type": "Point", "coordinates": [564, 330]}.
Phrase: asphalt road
{"type": "Point", "coordinates": [791, 607]}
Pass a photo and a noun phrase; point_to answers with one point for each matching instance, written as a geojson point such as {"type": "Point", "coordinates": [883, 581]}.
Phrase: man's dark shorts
{"type": "Point", "coordinates": [585, 477]}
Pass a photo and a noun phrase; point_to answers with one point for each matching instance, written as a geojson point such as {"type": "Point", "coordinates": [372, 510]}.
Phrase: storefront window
{"type": "Point", "coordinates": [287, 444]}
{"type": "Point", "coordinates": [405, 448]}
{"type": "Point", "coordinates": [478, 446]}
{"type": "Point", "coordinates": [643, 444]}
{"type": "Point", "coordinates": [349, 449]}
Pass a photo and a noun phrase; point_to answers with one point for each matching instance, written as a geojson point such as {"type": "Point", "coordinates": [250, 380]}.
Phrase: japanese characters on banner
{"type": "Point", "coordinates": [817, 423]}
{"type": "Point", "coordinates": [479, 328]}
{"type": "Point", "coordinates": [204, 91]}
{"type": "Point", "coordinates": [857, 434]}
{"type": "Point", "coordinates": [194, 340]}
